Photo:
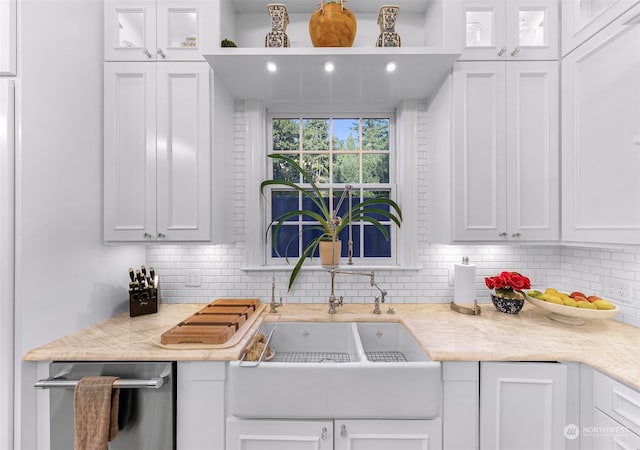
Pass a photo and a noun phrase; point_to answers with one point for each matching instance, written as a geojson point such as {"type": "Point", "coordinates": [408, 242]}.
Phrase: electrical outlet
{"type": "Point", "coordinates": [616, 288]}
{"type": "Point", "coordinates": [192, 278]}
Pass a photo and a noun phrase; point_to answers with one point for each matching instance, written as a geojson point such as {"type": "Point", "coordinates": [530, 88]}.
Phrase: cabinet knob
{"type": "Point", "coordinates": [161, 53]}
{"type": "Point", "coordinates": [161, 235]}
{"type": "Point", "coordinates": [324, 435]}
{"type": "Point", "coordinates": [343, 431]}
{"type": "Point", "coordinates": [515, 51]}
{"type": "Point", "coordinates": [147, 53]}
{"type": "Point", "coordinates": [502, 51]}
{"type": "Point", "coordinates": [503, 235]}
{"type": "Point", "coordinates": [516, 235]}
{"type": "Point", "coordinates": [147, 236]}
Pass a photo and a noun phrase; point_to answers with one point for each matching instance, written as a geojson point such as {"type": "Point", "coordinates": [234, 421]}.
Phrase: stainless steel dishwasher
{"type": "Point", "coordinates": [146, 414]}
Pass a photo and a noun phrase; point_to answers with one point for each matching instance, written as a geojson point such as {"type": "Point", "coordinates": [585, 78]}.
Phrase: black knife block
{"type": "Point", "coordinates": [143, 301]}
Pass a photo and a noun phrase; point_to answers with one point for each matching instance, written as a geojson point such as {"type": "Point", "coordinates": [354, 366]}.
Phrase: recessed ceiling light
{"type": "Point", "coordinates": [329, 66]}
{"type": "Point", "coordinates": [271, 66]}
{"type": "Point", "coordinates": [391, 66]}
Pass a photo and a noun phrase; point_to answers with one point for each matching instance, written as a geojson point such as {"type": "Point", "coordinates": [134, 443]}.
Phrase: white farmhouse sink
{"type": "Point", "coordinates": [321, 370]}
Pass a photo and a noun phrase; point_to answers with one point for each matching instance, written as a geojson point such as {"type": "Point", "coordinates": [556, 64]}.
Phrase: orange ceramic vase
{"type": "Point", "coordinates": [332, 25]}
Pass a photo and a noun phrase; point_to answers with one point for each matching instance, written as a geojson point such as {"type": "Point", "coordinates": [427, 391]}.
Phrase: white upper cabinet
{"type": "Point", "coordinates": [172, 30]}
{"type": "Point", "coordinates": [510, 30]}
{"type": "Point", "coordinates": [8, 37]}
{"type": "Point", "coordinates": [601, 137]}
{"type": "Point", "coordinates": [505, 151]}
{"type": "Point", "coordinates": [581, 19]}
{"type": "Point", "coordinates": [157, 152]}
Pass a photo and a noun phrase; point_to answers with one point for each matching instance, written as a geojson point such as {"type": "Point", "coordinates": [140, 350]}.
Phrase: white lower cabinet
{"type": "Point", "coordinates": [246, 434]}
{"type": "Point", "coordinates": [523, 406]}
{"type": "Point", "coordinates": [606, 433]}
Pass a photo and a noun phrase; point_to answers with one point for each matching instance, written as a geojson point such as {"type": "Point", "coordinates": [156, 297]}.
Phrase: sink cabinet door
{"type": "Point", "coordinates": [279, 434]}
{"type": "Point", "coordinates": [388, 434]}
{"type": "Point", "coordinates": [523, 406]}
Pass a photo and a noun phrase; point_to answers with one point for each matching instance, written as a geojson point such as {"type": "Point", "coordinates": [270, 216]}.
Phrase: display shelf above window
{"type": "Point", "coordinates": [360, 72]}
{"type": "Point", "coordinates": [359, 75]}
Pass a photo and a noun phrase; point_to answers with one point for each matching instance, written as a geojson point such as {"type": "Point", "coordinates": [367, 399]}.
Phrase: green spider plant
{"type": "Point", "coordinates": [365, 211]}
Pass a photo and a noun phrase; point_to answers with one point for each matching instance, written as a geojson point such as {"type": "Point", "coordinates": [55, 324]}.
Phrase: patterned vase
{"type": "Point", "coordinates": [387, 23]}
{"type": "Point", "coordinates": [332, 25]}
{"type": "Point", "coordinates": [277, 37]}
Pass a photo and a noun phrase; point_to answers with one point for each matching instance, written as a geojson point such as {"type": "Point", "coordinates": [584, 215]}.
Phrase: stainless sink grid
{"type": "Point", "coordinates": [314, 357]}
{"type": "Point", "coordinates": [391, 356]}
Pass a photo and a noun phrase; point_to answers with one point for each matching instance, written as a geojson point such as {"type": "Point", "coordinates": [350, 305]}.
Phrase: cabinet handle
{"type": "Point", "coordinates": [503, 235]}
{"type": "Point", "coordinates": [502, 51]}
{"type": "Point", "coordinates": [324, 435]}
{"type": "Point", "coordinates": [343, 431]}
{"type": "Point", "coordinates": [515, 51]}
{"type": "Point", "coordinates": [161, 53]}
{"type": "Point", "coordinates": [161, 235]}
{"type": "Point", "coordinates": [516, 235]}
{"type": "Point", "coordinates": [147, 53]}
{"type": "Point", "coordinates": [147, 236]}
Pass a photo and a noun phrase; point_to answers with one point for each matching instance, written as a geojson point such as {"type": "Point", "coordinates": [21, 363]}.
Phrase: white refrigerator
{"type": "Point", "coordinates": [7, 214]}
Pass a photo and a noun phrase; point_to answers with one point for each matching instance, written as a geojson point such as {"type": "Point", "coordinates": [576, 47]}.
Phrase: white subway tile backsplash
{"type": "Point", "coordinates": [564, 267]}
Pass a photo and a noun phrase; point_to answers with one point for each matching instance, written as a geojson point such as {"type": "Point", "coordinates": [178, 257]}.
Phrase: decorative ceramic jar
{"type": "Point", "coordinates": [387, 23]}
{"type": "Point", "coordinates": [332, 25]}
{"type": "Point", "coordinates": [507, 305]}
{"type": "Point", "coordinates": [277, 37]}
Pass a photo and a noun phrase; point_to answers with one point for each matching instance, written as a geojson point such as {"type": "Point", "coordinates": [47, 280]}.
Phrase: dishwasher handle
{"type": "Point", "coordinates": [153, 383]}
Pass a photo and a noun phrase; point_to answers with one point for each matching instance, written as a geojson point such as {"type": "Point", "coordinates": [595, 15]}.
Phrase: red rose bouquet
{"type": "Point", "coordinates": [508, 284]}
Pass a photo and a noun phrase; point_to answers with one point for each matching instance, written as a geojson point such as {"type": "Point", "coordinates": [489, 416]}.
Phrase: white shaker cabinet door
{"type": "Point", "coordinates": [130, 151]}
{"type": "Point", "coordinates": [533, 154]}
{"type": "Point", "coordinates": [279, 434]}
{"type": "Point", "coordinates": [523, 406]}
{"type": "Point", "coordinates": [388, 434]}
{"type": "Point", "coordinates": [184, 151]}
{"type": "Point", "coordinates": [8, 36]}
{"type": "Point", "coordinates": [479, 171]}
{"type": "Point", "coordinates": [601, 137]}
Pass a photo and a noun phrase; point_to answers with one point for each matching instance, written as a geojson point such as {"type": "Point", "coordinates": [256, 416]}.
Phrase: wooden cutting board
{"type": "Point", "coordinates": [216, 323]}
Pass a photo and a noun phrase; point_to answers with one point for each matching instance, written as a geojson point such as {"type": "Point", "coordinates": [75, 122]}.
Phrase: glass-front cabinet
{"type": "Point", "coordinates": [510, 30]}
{"type": "Point", "coordinates": [176, 30]}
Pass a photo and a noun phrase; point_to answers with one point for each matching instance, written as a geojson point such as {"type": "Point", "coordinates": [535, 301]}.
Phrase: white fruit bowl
{"type": "Point", "coordinates": [572, 314]}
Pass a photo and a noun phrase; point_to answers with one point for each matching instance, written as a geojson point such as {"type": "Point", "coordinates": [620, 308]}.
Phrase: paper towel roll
{"type": "Point", "coordinates": [464, 288]}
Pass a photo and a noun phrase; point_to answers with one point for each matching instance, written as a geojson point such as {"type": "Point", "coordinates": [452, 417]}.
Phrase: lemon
{"type": "Point", "coordinates": [569, 302]}
{"type": "Point", "coordinates": [555, 299]}
{"type": "Point", "coordinates": [550, 291]}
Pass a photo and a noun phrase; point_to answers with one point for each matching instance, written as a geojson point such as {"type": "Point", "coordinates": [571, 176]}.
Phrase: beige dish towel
{"type": "Point", "coordinates": [95, 413]}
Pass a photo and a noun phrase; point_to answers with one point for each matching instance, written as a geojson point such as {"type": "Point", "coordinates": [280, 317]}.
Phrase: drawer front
{"type": "Point", "coordinates": [617, 400]}
{"type": "Point", "coordinates": [609, 434]}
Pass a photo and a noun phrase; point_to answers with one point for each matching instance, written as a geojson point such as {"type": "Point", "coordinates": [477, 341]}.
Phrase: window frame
{"type": "Point", "coordinates": [361, 260]}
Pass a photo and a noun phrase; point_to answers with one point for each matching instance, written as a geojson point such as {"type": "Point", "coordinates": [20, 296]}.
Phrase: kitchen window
{"type": "Point", "coordinates": [358, 150]}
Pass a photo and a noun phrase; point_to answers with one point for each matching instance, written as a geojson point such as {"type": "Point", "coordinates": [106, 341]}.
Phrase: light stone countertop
{"type": "Point", "coordinates": [607, 345]}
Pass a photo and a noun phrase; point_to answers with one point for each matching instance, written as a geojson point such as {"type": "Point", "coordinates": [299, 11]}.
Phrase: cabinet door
{"type": "Point", "coordinates": [484, 22]}
{"type": "Point", "coordinates": [532, 29]}
{"type": "Point", "coordinates": [129, 30]}
{"type": "Point", "coordinates": [184, 29]}
{"type": "Point", "coordinates": [279, 434]}
{"type": "Point", "coordinates": [8, 46]}
{"type": "Point", "coordinates": [601, 137]}
{"type": "Point", "coordinates": [388, 434]}
{"type": "Point", "coordinates": [184, 151]}
{"type": "Point", "coordinates": [522, 406]}
{"type": "Point", "coordinates": [129, 151]}
{"type": "Point", "coordinates": [533, 189]}
{"type": "Point", "coordinates": [581, 19]}
{"type": "Point", "coordinates": [479, 168]}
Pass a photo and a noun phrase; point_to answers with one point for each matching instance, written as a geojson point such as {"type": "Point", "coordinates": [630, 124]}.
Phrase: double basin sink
{"type": "Point", "coordinates": [360, 370]}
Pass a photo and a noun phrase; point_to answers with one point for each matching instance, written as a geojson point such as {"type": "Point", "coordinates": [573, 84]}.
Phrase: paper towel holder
{"type": "Point", "coordinates": [472, 311]}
